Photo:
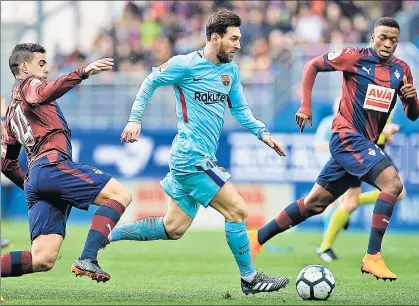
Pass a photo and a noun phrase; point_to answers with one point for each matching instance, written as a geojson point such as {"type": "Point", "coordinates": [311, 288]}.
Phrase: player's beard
{"type": "Point", "coordinates": [223, 56]}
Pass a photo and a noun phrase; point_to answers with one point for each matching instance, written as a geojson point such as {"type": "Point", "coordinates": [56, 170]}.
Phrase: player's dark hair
{"type": "Point", "coordinates": [387, 22]}
{"type": "Point", "coordinates": [219, 21]}
{"type": "Point", "coordinates": [23, 53]}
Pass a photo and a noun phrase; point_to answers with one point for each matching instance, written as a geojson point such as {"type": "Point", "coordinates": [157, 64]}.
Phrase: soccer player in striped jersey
{"type": "Point", "coordinates": [372, 79]}
{"type": "Point", "coordinates": [54, 183]}
{"type": "Point", "coordinates": [353, 198]}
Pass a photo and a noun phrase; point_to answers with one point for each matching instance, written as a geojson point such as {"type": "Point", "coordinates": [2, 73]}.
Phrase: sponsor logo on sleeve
{"type": "Point", "coordinates": [35, 82]}
{"type": "Point", "coordinates": [163, 67]}
{"type": "Point", "coordinates": [334, 55]}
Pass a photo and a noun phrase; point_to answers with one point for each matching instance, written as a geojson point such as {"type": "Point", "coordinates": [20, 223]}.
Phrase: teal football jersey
{"type": "Point", "coordinates": [203, 91]}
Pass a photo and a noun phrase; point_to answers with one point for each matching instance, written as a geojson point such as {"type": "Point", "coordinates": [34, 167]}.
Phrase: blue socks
{"type": "Point", "coordinates": [238, 242]}
{"type": "Point", "coordinates": [149, 228]}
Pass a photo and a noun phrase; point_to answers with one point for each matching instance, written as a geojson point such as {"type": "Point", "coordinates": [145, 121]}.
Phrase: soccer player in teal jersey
{"type": "Point", "coordinates": [206, 82]}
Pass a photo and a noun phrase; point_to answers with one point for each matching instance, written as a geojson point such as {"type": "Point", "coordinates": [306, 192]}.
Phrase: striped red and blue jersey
{"type": "Point", "coordinates": [34, 119]}
{"type": "Point", "coordinates": [369, 89]}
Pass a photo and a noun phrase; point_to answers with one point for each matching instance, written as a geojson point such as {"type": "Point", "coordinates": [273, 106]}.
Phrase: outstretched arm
{"type": "Point", "coordinates": [37, 90]}
{"type": "Point", "coordinates": [169, 73]}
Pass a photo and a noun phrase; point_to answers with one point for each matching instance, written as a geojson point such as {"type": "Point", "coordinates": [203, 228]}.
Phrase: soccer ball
{"type": "Point", "coordinates": [315, 282]}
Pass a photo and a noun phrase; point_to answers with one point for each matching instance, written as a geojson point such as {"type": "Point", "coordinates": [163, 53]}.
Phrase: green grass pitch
{"type": "Point", "coordinates": [199, 270]}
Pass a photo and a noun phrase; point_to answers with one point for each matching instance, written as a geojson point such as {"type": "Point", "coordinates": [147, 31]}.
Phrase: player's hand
{"type": "Point", "coordinates": [131, 133]}
{"type": "Point", "coordinates": [390, 129]}
{"type": "Point", "coordinates": [103, 64]}
{"type": "Point", "coordinates": [302, 119]}
{"type": "Point", "coordinates": [273, 144]}
{"type": "Point", "coordinates": [408, 91]}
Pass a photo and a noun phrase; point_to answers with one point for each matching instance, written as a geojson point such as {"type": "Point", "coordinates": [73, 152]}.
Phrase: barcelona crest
{"type": "Point", "coordinates": [225, 79]}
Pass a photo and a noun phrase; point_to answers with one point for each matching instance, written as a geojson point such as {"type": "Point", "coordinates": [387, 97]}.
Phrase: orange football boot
{"type": "Point", "coordinates": [375, 265]}
{"type": "Point", "coordinates": [255, 247]}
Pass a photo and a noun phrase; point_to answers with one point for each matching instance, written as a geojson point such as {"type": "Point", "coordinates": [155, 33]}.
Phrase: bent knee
{"type": "Point", "coordinates": [398, 187]}
{"type": "Point", "coordinates": [123, 196]}
{"type": "Point", "coordinates": [43, 262]}
{"type": "Point", "coordinates": [315, 209]}
{"type": "Point", "coordinates": [315, 204]}
{"type": "Point", "coordinates": [175, 231]}
{"type": "Point", "coordinates": [114, 191]}
{"type": "Point", "coordinates": [238, 211]}
{"type": "Point", "coordinates": [402, 195]}
{"type": "Point", "coordinates": [395, 188]}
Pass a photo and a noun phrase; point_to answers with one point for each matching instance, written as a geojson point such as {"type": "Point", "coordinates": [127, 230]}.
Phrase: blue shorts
{"type": "Point", "coordinates": [193, 185]}
{"type": "Point", "coordinates": [54, 185]}
{"type": "Point", "coordinates": [354, 159]}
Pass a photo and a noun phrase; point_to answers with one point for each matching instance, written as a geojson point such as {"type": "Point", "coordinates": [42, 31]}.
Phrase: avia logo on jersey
{"type": "Point", "coordinates": [210, 97]}
{"type": "Point", "coordinates": [378, 98]}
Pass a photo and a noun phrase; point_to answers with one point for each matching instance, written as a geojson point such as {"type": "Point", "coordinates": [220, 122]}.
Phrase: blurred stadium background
{"type": "Point", "coordinates": [278, 38]}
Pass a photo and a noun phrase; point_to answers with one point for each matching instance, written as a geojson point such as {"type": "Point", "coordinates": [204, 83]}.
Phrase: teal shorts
{"type": "Point", "coordinates": [193, 185]}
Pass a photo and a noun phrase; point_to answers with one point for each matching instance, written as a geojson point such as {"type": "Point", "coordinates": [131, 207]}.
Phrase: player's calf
{"type": "Point", "coordinates": [44, 262]}
{"type": "Point", "coordinates": [170, 227]}
{"type": "Point", "coordinates": [113, 199]}
{"type": "Point", "coordinates": [391, 187]}
{"type": "Point", "coordinates": [44, 252]}
{"type": "Point", "coordinates": [297, 212]}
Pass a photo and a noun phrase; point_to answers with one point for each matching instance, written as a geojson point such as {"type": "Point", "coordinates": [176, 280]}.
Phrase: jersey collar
{"type": "Point", "coordinates": [378, 58]}
{"type": "Point", "coordinates": [201, 53]}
